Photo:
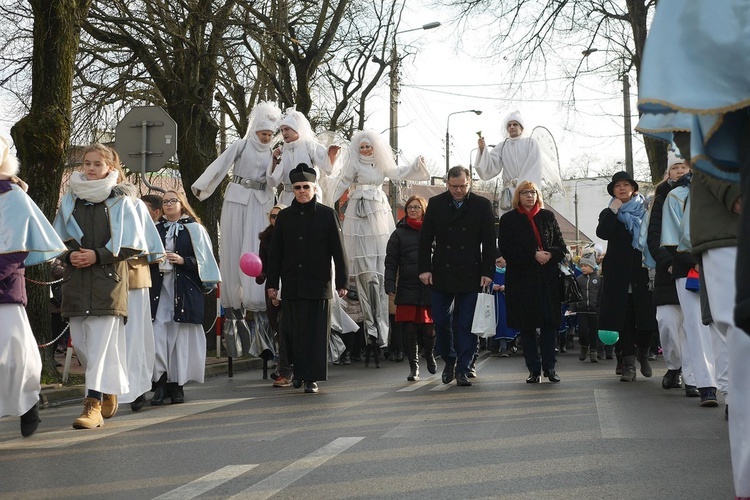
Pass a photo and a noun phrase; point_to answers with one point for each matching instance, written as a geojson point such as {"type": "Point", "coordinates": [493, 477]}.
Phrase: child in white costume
{"type": "Point", "coordinates": [300, 146]}
{"type": "Point", "coordinates": [368, 222]}
{"type": "Point", "coordinates": [247, 200]}
{"type": "Point", "coordinates": [28, 239]}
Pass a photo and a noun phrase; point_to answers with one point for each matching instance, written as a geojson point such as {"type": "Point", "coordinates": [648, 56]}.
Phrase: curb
{"type": "Point", "coordinates": [57, 394]}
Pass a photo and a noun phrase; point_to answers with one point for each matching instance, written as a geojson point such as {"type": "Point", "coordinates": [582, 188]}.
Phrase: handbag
{"type": "Point", "coordinates": [570, 292]}
{"type": "Point", "coordinates": [484, 324]}
{"type": "Point", "coordinates": [506, 198]}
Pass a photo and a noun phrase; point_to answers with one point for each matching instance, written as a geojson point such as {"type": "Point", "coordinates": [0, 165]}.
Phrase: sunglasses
{"type": "Point", "coordinates": [170, 202]}
{"type": "Point", "coordinates": [305, 187]}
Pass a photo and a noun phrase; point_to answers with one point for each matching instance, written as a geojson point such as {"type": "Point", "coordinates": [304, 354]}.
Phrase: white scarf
{"type": "Point", "coordinates": [94, 191]}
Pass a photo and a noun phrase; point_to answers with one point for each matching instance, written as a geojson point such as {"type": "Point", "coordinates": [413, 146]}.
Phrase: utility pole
{"type": "Point", "coordinates": [628, 126]}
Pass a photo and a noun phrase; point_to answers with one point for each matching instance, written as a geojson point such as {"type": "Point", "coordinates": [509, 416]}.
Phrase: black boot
{"type": "Point", "coordinates": [176, 393]}
{"type": "Point", "coordinates": [160, 391]}
{"type": "Point", "coordinates": [30, 421]}
{"type": "Point", "coordinates": [412, 351]}
{"type": "Point", "coordinates": [429, 351]}
{"type": "Point", "coordinates": [642, 355]}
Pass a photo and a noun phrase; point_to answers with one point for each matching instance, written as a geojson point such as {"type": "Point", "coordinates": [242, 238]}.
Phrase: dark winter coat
{"type": "Point", "coordinates": [525, 279]}
{"type": "Point", "coordinates": [401, 261]}
{"type": "Point", "coordinates": [591, 289]}
{"type": "Point", "coordinates": [305, 238]}
{"type": "Point", "coordinates": [713, 223]}
{"type": "Point", "coordinates": [188, 288]}
{"type": "Point", "coordinates": [665, 292]}
{"type": "Point", "coordinates": [264, 248]}
{"type": "Point", "coordinates": [102, 288]}
{"type": "Point", "coordinates": [622, 268]}
{"type": "Point", "coordinates": [464, 243]}
{"type": "Point", "coordinates": [12, 284]}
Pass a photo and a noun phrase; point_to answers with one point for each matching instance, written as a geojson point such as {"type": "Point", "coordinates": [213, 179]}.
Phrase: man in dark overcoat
{"type": "Point", "coordinates": [459, 225]}
{"type": "Point", "coordinates": [306, 237]}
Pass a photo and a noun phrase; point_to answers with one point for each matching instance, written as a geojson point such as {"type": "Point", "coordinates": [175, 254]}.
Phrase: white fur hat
{"type": "Point", "coordinates": [8, 162]}
{"type": "Point", "coordinates": [266, 116]}
{"type": "Point", "coordinates": [673, 158]}
{"type": "Point", "coordinates": [514, 116]}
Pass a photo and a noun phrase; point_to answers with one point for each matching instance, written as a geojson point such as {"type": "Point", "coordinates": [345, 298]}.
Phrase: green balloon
{"type": "Point", "coordinates": [608, 337]}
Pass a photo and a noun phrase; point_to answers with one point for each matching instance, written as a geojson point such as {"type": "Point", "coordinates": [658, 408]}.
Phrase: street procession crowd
{"type": "Point", "coordinates": [135, 271]}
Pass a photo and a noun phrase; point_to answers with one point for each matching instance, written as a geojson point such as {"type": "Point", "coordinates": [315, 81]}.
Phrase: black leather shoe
{"type": "Point", "coordinates": [671, 380]}
{"type": "Point", "coordinates": [311, 387]}
{"type": "Point", "coordinates": [297, 383]}
{"type": "Point", "coordinates": [692, 392]}
{"type": "Point", "coordinates": [431, 364]}
{"type": "Point", "coordinates": [462, 380]}
{"type": "Point", "coordinates": [472, 373]}
{"type": "Point", "coordinates": [534, 378]}
{"type": "Point", "coordinates": [449, 373]}
{"type": "Point", "coordinates": [552, 376]}
{"type": "Point", "coordinates": [30, 421]}
{"type": "Point", "coordinates": [159, 394]}
{"type": "Point", "coordinates": [139, 403]}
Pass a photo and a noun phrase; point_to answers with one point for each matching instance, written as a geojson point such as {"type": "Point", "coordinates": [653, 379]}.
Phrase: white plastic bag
{"type": "Point", "coordinates": [485, 323]}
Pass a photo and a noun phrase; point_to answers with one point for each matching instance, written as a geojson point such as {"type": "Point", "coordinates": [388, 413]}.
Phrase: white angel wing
{"type": "Point", "coordinates": [551, 177]}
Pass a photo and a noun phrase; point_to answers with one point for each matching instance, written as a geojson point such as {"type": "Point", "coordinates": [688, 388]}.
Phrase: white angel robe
{"type": "Point", "coordinates": [243, 217]}
{"type": "Point", "coordinates": [517, 159]}
{"type": "Point", "coordinates": [310, 152]}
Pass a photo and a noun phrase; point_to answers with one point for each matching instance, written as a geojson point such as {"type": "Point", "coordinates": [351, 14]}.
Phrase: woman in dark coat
{"type": "Point", "coordinates": [531, 242]}
{"type": "Point", "coordinates": [626, 303]}
{"type": "Point", "coordinates": [412, 298]}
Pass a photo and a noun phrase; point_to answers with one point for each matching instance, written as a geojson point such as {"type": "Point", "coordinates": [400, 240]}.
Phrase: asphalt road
{"type": "Point", "coordinates": [371, 434]}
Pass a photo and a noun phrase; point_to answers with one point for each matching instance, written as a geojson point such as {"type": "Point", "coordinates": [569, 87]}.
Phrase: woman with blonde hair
{"type": "Point", "coordinates": [177, 302]}
{"type": "Point", "coordinates": [531, 242]}
{"type": "Point", "coordinates": [100, 226]}
{"type": "Point", "coordinates": [411, 296]}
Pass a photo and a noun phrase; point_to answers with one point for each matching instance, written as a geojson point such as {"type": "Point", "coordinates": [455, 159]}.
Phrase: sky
{"type": "Point", "coordinates": [439, 78]}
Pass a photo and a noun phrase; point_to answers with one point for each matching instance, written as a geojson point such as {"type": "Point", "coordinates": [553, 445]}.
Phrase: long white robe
{"type": "Point", "coordinates": [368, 223]}
{"type": "Point", "coordinates": [243, 217]}
{"type": "Point", "coordinates": [309, 152]}
{"type": "Point", "coordinates": [20, 363]}
{"type": "Point", "coordinates": [517, 159]}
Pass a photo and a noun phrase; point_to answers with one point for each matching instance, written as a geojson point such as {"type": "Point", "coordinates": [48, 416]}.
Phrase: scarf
{"type": "Point", "coordinates": [174, 227]}
{"type": "Point", "coordinates": [631, 214]}
{"type": "Point", "coordinates": [94, 191]}
{"type": "Point", "coordinates": [530, 215]}
{"type": "Point", "coordinates": [414, 224]}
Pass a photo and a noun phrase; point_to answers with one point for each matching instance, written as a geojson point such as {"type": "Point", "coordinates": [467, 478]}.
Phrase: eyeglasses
{"type": "Point", "coordinates": [273, 216]}
{"type": "Point", "coordinates": [414, 207]}
{"type": "Point", "coordinates": [458, 186]}
{"type": "Point", "coordinates": [170, 202]}
{"type": "Point", "coordinates": [304, 186]}
{"type": "Point", "coordinates": [528, 192]}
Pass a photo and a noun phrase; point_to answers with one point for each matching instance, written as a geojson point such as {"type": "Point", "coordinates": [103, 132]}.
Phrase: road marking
{"type": "Point", "coordinates": [417, 385]}
{"type": "Point", "coordinates": [206, 483]}
{"type": "Point", "coordinates": [123, 422]}
{"type": "Point", "coordinates": [273, 484]}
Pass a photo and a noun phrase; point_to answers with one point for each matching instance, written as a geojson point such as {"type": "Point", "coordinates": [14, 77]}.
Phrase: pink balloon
{"type": "Point", "coordinates": [251, 264]}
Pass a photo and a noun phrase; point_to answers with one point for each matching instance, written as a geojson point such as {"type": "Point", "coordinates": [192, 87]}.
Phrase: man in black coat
{"type": "Point", "coordinates": [460, 226]}
{"type": "Point", "coordinates": [306, 237]}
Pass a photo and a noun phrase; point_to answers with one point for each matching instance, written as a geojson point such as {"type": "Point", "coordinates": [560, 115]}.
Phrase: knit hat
{"type": "Point", "coordinates": [8, 162]}
{"type": "Point", "coordinates": [302, 173]}
{"type": "Point", "coordinates": [587, 261]}
{"type": "Point", "coordinates": [621, 176]}
{"type": "Point", "coordinates": [673, 158]}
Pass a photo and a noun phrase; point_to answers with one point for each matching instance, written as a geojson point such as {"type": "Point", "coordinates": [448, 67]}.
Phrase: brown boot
{"type": "Point", "coordinates": [91, 416]}
{"type": "Point", "coordinates": [109, 406]}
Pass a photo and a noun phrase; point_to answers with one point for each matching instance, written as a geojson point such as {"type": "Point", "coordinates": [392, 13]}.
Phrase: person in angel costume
{"type": "Point", "coordinates": [28, 239]}
{"type": "Point", "coordinates": [368, 222]}
{"type": "Point", "coordinates": [300, 146]}
{"type": "Point", "coordinates": [247, 200]}
{"type": "Point", "coordinates": [519, 158]}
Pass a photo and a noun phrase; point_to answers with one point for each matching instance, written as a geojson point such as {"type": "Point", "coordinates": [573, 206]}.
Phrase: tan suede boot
{"type": "Point", "coordinates": [91, 416]}
{"type": "Point", "coordinates": [109, 405]}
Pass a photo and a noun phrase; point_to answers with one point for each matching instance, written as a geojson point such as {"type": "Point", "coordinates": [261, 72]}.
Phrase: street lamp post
{"type": "Point", "coordinates": [448, 135]}
{"type": "Point", "coordinates": [393, 135]}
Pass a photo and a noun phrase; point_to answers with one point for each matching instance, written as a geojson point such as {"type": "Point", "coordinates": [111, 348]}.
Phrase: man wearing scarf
{"type": "Point", "coordinates": [460, 226]}
{"type": "Point", "coordinates": [626, 303]}
{"type": "Point", "coordinates": [306, 237]}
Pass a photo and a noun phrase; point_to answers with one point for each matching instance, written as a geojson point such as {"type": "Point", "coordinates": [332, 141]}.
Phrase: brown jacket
{"type": "Point", "coordinates": [139, 274]}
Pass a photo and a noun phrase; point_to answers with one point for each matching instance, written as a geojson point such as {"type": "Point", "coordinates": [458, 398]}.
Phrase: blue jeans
{"type": "Point", "coordinates": [454, 341]}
